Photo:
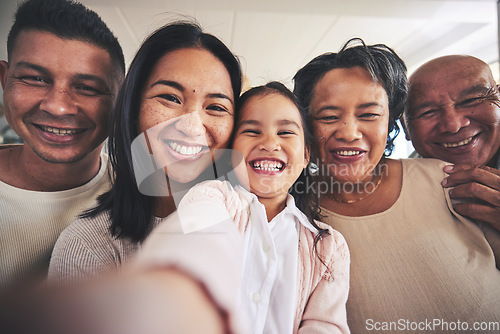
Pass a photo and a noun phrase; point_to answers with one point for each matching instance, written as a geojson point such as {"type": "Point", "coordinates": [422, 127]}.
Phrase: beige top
{"type": "Point", "coordinates": [86, 249]}
{"type": "Point", "coordinates": [31, 221]}
{"type": "Point", "coordinates": [419, 261]}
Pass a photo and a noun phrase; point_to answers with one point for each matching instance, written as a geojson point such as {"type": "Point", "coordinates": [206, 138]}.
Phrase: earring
{"type": "Point", "coordinates": [312, 168]}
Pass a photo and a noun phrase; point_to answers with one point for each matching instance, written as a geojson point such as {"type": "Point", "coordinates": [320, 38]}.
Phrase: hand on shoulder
{"type": "Point", "coordinates": [479, 187]}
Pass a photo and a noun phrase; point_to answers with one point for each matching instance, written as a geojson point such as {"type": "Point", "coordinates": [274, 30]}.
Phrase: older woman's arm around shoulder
{"type": "Point", "coordinates": [325, 311]}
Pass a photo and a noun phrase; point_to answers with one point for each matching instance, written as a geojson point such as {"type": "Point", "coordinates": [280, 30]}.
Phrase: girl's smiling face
{"type": "Point", "coordinates": [187, 110]}
{"type": "Point", "coordinates": [350, 118]}
{"type": "Point", "coordinates": [270, 136]}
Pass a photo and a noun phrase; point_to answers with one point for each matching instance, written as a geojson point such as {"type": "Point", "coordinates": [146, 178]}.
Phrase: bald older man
{"type": "Point", "coordinates": [454, 115]}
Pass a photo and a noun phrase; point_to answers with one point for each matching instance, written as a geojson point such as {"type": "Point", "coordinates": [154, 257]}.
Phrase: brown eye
{"type": "Point", "coordinates": [34, 80]}
{"type": "Point", "coordinates": [88, 90]}
{"type": "Point", "coordinates": [327, 118]}
{"type": "Point", "coordinates": [285, 132]}
{"type": "Point", "coordinates": [217, 109]}
{"type": "Point", "coordinates": [251, 132]}
{"type": "Point", "coordinates": [169, 97]}
{"type": "Point", "coordinates": [470, 102]}
{"type": "Point", "coordinates": [368, 115]}
{"type": "Point", "coordinates": [427, 113]}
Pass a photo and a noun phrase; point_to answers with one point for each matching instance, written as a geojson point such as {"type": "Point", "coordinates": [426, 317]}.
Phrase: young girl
{"type": "Point", "coordinates": [295, 270]}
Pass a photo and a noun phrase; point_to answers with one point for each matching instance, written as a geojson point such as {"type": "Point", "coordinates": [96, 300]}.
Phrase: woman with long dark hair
{"type": "Point", "coordinates": [173, 116]}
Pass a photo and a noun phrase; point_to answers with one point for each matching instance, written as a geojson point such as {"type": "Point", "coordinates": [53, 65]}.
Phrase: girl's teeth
{"type": "Point", "coordinates": [267, 165]}
{"type": "Point", "coordinates": [185, 150]}
{"type": "Point", "coordinates": [348, 153]}
{"type": "Point", "coordinates": [460, 143]}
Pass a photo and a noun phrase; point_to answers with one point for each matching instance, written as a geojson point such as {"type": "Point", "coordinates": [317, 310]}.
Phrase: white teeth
{"type": "Point", "coordinates": [267, 165]}
{"type": "Point", "coordinates": [60, 132]}
{"type": "Point", "coordinates": [460, 143]}
{"type": "Point", "coordinates": [185, 150]}
{"type": "Point", "coordinates": [348, 153]}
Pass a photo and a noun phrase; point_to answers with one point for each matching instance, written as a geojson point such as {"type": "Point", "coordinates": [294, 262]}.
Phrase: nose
{"type": "Point", "coordinates": [191, 124]}
{"type": "Point", "coordinates": [270, 143]}
{"type": "Point", "coordinates": [348, 130]}
{"type": "Point", "coordinates": [452, 121]}
{"type": "Point", "coordinates": [59, 102]}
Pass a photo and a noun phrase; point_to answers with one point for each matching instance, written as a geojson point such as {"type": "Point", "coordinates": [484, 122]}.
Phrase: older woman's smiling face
{"type": "Point", "coordinates": [187, 110]}
{"type": "Point", "coordinates": [350, 115]}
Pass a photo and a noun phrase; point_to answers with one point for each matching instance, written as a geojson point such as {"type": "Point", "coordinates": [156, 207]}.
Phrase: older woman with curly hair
{"type": "Point", "coordinates": [414, 260]}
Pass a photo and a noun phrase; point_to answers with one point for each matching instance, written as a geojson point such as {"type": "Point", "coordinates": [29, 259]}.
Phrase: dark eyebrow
{"type": "Point", "coordinates": [288, 122]}
{"type": "Point", "coordinates": [471, 90]}
{"type": "Point", "coordinates": [178, 86]}
{"type": "Point", "coordinates": [91, 77]}
{"type": "Point", "coordinates": [24, 64]}
{"type": "Point", "coordinates": [475, 89]}
{"type": "Point", "coordinates": [79, 76]}
{"type": "Point", "coordinates": [280, 122]}
{"type": "Point", "coordinates": [423, 105]}
{"type": "Point", "coordinates": [170, 83]}
{"type": "Point", "coordinates": [361, 106]}
{"type": "Point", "coordinates": [220, 96]}
{"type": "Point", "coordinates": [327, 108]}
{"type": "Point", "coordinates": [369, 105]}
{"type": "Point", "coordinates": [249, 122]}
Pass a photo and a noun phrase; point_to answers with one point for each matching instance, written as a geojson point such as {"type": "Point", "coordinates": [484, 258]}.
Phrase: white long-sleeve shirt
{"type": "Point", "coordinates": [284, 285]}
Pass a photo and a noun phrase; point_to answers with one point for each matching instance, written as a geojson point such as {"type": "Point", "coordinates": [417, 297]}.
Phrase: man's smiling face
{"type": "Point", "coordinates": [454, 113]}
{"type": "Point", "coordinates": [58, 95]}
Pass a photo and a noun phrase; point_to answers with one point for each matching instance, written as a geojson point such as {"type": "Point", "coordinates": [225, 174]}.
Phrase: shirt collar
{"type": "Point", "coordinates": [290, 208]}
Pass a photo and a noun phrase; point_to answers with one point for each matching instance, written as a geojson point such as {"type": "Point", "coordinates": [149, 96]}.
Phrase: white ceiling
{"type": "Point", "coordinates": [274, 38]}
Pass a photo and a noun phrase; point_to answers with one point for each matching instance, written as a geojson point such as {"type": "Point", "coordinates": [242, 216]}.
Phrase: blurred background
{"type": "Point", "coordinates": [274, 38]}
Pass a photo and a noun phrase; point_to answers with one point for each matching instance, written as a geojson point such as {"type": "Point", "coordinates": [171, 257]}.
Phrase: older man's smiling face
{"type": "Point", "coordinates": [454, 114]}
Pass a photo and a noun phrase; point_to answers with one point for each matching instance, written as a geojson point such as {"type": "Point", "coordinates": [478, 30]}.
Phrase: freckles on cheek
{"type": "Point", "coordinates": [147, 118]}
{"type": "Point", "coordinates": [222, 134]}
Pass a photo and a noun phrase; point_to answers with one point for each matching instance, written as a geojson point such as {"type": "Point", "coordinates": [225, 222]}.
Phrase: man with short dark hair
{"type": "Point", "coordinates": [60, 82]}
{"type": "Point", "coordinates": [454, 115]}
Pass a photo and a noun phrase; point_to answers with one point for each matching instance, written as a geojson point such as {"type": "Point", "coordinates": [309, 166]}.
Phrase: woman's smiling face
{"type": "Point", "coordinates": [350, 115]}
{"type": "Point", "coordinates": [187, 110]}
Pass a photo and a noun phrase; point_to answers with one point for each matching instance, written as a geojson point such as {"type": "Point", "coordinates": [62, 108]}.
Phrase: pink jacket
{"type": "Point", "coordinates": [322, 288]}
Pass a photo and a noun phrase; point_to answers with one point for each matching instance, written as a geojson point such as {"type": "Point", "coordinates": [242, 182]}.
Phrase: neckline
{"type": "Point", "coordinates": [51, 195]}
{"type": "Point", "coordinates": [393, 207]}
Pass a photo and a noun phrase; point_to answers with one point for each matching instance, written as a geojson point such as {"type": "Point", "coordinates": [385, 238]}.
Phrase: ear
{"type": "Point", "coordinates": [4, 67]}
{"type": "Point", "coordinates": [404, 123]}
